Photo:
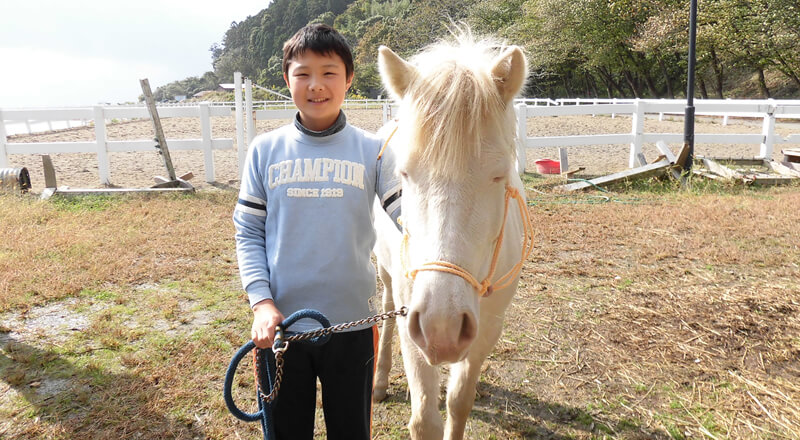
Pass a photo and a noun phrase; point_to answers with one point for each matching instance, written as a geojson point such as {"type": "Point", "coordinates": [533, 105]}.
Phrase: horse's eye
{"type": "Point", "coordinates": [498, 179]}
{"type": "Point", "coordinates": [404, 174]}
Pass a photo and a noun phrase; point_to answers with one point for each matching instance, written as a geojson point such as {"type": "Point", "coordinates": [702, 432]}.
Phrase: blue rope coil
{"type": "Point", "coordinates": [266, 373]}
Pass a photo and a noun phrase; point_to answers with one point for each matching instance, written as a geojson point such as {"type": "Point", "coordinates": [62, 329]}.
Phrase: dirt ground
{"type": "Point", "coordinates": [669, 316]}
{"type": "Point", "coordinates": [137, 169]}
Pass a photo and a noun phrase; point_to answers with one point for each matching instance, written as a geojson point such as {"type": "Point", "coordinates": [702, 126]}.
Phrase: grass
{"type": "Point", "coordinates": [672, 315]}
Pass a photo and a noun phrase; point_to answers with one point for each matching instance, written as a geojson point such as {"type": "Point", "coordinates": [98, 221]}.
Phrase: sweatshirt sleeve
{"type": "Point", "coordinates": [249, 218]}
{"type": "Point", "coordinates": [389, 188]}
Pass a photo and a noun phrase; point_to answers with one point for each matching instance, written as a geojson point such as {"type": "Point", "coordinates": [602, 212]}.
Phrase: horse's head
{"type": "Point", "coordinates": [455, 152]}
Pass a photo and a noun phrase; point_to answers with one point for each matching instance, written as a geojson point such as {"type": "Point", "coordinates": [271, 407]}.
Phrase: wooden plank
{"type": "Point", "coordinates": [68, 192]}
{"type": "Point", "coordinates": [744, 161]}
{"type": "Point", "coordinates": [653, 169]}
{"type": "Point", "coordinates": [162, 140]}
{"type": "Point", "coordinates": [683, 156]}
{"type": "Point", "coordinates": [781, 169]}
{"type": "Point", "coordinates": [49, 172]}
{"type": "Point", "coordinates": [664, 149]}
{"type": "Point", "coordinates": [706, 174]}
{"type": "Point", "coordinates": [793, 165]}
{"type": "Point", "coordinates": [771, 179]}
{"type": "Point", "coordinates": [563, 161]}
{"type": "Point", "coordinates": [791, 155]}
{"type": "Point", "coordinates": [569, 173]}
{"type": "Point", "coordinates": [722, 170]}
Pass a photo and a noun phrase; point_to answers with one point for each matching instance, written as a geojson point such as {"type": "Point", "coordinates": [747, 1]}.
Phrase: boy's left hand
{"type": "Point", "coordinates": [265, 318]}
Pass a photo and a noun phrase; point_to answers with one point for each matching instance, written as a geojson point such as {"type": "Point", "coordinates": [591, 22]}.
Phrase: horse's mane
{"type": "Point", "coordinates": [456, 105]}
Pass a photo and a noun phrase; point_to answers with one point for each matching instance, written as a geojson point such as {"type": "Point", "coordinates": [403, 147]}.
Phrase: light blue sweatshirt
{"type": "Point", "coordinates": [303, 221]}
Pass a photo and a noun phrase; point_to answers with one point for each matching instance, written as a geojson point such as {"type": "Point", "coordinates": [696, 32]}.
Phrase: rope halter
{"type": "Point", "coordinates": [487, 286]}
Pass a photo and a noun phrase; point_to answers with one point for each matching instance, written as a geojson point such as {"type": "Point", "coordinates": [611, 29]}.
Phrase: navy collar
{"type": "Point", "coordinates": [337, 126]}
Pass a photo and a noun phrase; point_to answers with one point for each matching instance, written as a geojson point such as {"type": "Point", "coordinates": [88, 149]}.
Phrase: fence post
{"type": "Point", "coordinates": [522, 137]}
{"type": "Point", "coordinates": [248, 110]}
{"type": "Point", "coordinates": [725, 117]}
{"type": "Point", "coordinates": [240, 145]}
{"type": "Point", "coordinates": [208, 153]}
{"type": "Point", "coordinates": [768, 131]}
{"type": "Point", "coordinates": [102, 149]}
{"type": "Point", "coordinates": [387, 113]}
{"type": "Point", "coordinates": [3, 140]}
{"type": "Point", "coordinates": [637, 131]}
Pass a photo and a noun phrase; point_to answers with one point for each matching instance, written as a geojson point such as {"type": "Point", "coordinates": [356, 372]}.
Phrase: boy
{"type": "Point", "coordinates": [304, 236]}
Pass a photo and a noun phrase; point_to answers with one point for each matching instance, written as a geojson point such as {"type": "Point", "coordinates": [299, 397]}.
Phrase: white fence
{"type": "Point", "coordinates": [767, 110]}
{"type": "Point", "coordinates": [102, 146]}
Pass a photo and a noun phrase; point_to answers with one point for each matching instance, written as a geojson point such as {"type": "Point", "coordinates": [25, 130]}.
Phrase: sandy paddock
{"type": "Point", "coordinates": [137, 169]}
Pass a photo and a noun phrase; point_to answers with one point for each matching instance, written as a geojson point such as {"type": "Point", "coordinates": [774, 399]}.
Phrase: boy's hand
{"type": "Point", "coordinates": [265, 318]}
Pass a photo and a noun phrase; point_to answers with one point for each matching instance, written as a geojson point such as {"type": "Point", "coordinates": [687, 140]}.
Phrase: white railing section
{"type": "Point", "coordinates": [99, 116]}
{"type": "Point", "coordinates": [768, 110]}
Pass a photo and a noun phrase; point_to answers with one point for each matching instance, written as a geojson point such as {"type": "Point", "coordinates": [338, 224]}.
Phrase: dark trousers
{"type": "Point", "coordinates": [344, 366]}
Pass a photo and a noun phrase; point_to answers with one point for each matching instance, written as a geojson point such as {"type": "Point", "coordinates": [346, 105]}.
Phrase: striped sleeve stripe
{"type": "Point", "coordinates": [391, 200]}
{"type": "Point", "coordinates": [251, 208]}
{"type": "Point", "coordinates": [249, 198]}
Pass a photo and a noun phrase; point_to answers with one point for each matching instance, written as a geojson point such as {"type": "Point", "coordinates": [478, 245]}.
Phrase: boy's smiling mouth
{"type": "Point", "coordinates": [318, 100]}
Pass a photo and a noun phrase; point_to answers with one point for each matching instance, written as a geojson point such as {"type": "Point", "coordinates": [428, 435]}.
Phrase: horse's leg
{"type": "Point", "coordinates": [464, 377]}
{"type": "Point", "coordinates": [385, 346]}
{"type": "Point", "coordinates": [423, 384]}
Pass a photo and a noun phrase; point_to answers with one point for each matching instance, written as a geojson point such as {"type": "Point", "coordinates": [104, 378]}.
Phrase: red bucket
{"type": "Point", "coordinates": [548, 166]}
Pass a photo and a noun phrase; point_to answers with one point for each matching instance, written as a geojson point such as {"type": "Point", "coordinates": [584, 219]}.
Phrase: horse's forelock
{"type": "Point", "coordinates": [456, 107]}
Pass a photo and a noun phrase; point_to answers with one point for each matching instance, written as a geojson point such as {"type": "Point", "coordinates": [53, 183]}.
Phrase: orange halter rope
{"type": "Point", "coordinates": [485, 287]}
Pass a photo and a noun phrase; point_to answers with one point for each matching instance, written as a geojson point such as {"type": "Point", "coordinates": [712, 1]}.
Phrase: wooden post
{"type": "Point", "coordinates": [102, 148]}
{"type": "Point", "coordinates": [160, 138]}
{"type": "Point", "coordinates": [241, 146]}
{"type": "Point", "coordinates": [769, 132]}
{"type": "Point", "coordinates": [637, 131]}
{"type": "Point", "coordinates": [3, 140]}
{"type": "Point", "coordinates": [522, 137]}
{"type": "Point", "coordinates": [248, 109]}
{"type": "Point", "coordinates": [208, 153]}
{"type": "Point", "coordinates": [563, 160]}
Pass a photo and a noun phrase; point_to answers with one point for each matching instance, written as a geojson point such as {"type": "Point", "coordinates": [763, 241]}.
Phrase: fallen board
{"type": "Point", "coordinates": [653, 169]}
{"type": "Point", "coordinates": [69, 192]}
{"type": "Point", "coordinates": [791, 155]}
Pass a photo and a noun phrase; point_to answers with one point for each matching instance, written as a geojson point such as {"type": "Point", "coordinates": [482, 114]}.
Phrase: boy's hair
{"type": "Point", "coordinates": [320, 39]}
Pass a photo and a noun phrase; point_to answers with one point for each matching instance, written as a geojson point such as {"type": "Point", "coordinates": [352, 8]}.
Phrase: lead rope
{"type": "Point", "coordinates": [265, 378]}
{"type": "Point", "coordinates": [485, 287]}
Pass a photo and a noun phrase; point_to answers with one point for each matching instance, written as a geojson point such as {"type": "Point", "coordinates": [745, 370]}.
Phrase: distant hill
{"type": "Point", "coordinates": [583, 48]}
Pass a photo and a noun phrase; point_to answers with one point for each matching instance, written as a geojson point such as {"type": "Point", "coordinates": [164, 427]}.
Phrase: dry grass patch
{"type": "Point", "coordinates": [53, 250]}
{"type": "Point", "coordinates": [674, 315]}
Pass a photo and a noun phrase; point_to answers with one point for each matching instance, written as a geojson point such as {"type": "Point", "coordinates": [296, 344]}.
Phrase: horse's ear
{"type": "Point", "coordinates": [397, 74]}
{"type": "Point", "coordinates": [509, 72]}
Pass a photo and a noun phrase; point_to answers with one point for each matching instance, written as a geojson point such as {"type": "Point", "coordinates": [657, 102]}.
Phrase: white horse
{"type": "Point", "coordinates": [456, 265]}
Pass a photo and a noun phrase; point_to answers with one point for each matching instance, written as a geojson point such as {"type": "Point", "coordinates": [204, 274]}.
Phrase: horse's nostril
{"type": "Point", "coordinates": [468, 329]}
{"type": "Point", "coordinates": [415, 328]}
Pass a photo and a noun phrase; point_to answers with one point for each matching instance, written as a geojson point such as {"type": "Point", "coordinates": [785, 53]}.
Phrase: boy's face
{"type": "Point", "coordinates": [318, 84]}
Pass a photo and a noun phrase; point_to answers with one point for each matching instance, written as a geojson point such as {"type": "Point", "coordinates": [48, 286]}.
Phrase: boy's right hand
{"type": "Point", "coordinates": [265, 318]}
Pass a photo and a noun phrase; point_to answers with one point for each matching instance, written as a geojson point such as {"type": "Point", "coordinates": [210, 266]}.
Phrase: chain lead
{"type": "Point", "coordinates": [279, 350]}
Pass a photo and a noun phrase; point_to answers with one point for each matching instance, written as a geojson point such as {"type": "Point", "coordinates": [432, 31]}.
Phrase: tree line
{"type": "Point", "coordinates": [575, 48]}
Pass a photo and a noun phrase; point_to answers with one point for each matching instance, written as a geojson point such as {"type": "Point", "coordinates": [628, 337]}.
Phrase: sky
{"type": "Point", "coordinates": [67, 53]}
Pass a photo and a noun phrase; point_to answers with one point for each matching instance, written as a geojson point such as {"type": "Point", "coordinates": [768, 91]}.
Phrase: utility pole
{"type": "Point", "coordinates": [688, 124]}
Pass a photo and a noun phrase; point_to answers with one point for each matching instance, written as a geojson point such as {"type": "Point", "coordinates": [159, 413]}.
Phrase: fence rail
{"type": "Point", "coordinates": [768, 110]}
{"type": "Point", "coordinates": [99, 115]}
